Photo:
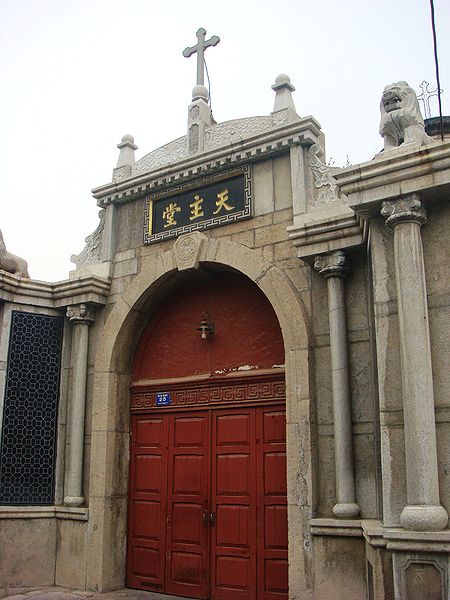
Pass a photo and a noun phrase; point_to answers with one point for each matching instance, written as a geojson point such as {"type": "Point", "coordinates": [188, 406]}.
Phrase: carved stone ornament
{"type": "Point", "coordinates": [92, 251]}
{"type": "Point", "coordinates": [232, 132]}
{"type": "Point", "coordinates": [406, 209]}
{"type": "Point", "coordinates": [333, 264]}
{"type": "Point", "coordinates": [401, 121]}
{"type": "Point", "coordinates": [216, 136]}
{"type": "Point", "coordinates": [187, 250]}
{"type": "Point", "coordinates": [418, 576]}
{"type": "Point", "coordinates": [10, 262]}
{"type": "Point", "coordinates": [194, 112]}
{"type": "Point", "coordinates": [81, 313]}
{"type": "Point", "coordinates": [323, 179]}
{"type": "Point", "coordinates": [194, 137]}
{"type": "Point", "coordinates": [279, 119]}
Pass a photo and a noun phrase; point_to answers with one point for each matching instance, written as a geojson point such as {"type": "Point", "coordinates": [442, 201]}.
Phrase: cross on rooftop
{"type": "Point", "coordinates": [425, 97]}
{"type": "Point", "coordinates": [200, 48]}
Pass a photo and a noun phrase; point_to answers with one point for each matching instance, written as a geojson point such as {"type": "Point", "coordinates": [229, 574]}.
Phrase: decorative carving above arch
{"type": "Point", "coordinates": [187, 250]}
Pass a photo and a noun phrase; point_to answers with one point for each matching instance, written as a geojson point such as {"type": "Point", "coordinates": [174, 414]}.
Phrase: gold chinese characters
{"type": "Point", "coordinates": [222, 204]}
{"type": "Point", "coordinates": [196, 207]}
{"type": "Point", "coordinates": [169, 214]}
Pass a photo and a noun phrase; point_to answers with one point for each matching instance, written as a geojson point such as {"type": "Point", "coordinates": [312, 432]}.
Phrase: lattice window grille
{"type": "Point", "coordinates": [30, 412]}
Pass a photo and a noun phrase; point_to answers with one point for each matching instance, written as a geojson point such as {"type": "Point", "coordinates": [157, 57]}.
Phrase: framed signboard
{"type": "Point", "coordinates": [213, 202]}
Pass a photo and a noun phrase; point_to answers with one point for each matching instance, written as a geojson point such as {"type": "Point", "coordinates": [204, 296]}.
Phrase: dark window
{"type": "Point", "coordinates": [28, 444]}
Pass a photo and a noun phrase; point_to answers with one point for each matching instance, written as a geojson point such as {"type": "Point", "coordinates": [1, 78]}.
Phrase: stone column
{"type": "Point", "coordinates": [81, 316]}
{"type": "Point", "coordinates": [334, 267]}
{"type": "Point", "coordinates": [423, 512]}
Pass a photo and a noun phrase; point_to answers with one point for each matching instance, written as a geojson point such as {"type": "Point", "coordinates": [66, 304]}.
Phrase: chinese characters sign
{"type": "Point", "coordinates": [216, 203]}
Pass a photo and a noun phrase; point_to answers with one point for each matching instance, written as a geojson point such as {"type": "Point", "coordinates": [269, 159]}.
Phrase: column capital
{"type": "Point", "coordinates": [406, 209]}
{"type": "Point", "coordinates": [81, 314]}
{"type": "Point", "coordinates": [334, 264]}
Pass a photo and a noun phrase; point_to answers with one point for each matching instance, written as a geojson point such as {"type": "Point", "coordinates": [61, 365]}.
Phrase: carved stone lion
{"type": "Point", "coordinates": [401, 121]}
{"type": "Point", "coordinates": [10, 262]}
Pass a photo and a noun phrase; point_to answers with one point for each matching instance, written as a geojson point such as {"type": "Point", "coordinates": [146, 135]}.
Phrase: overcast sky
{"type": "Point", "coordinates": [75, 75]}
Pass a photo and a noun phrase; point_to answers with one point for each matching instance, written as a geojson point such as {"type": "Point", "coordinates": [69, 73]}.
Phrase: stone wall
{"type": "Point", "coordinates": [436, 241]}
{"type": "Point", "coordinates": [362, 392]}
{"type": "Point", "coordinates": [84, 547]}
{"type": "Point", "coordinates": [30, 535]}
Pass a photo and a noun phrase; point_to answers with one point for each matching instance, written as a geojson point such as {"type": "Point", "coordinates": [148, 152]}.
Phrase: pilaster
{"type": "Point", "coordinates": [81, 316]}
{"type": "Point", "coordinates": [423, 512]}
{"type": "Point", "coordinates": [334, 268]}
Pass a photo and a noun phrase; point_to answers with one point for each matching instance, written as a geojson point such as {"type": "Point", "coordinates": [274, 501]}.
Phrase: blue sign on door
{"type": "Point", "coordinates": [163, 399]}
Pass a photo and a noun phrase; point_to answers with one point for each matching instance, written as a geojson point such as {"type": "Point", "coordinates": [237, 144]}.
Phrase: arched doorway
{"type": "Point", "coordinates": [207, 502]}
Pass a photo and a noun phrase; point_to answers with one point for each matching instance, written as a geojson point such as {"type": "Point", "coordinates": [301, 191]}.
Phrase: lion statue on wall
{"type": "Point", "coordinates": [401, 120]}
{"type": "Point", "coordinates": [10, 262]}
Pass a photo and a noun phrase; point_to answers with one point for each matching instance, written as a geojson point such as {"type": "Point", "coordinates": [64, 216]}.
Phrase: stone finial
{"type": "Point", "coordinates": [127, 148]}
{"type": "Point", "coordinates": [10, 262]}
{"type": "Point", "coordinates": [283, 97]}
{"type": "Point", "coordinates": [401, 122]}
{"type": "Point", "coordinates": [126, 158]}
{"type": "Point", "coordinates": [199, 92]}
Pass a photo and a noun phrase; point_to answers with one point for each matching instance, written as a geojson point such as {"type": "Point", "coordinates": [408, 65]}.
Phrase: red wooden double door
{"type": "Point", "coordinates": [208, 510]}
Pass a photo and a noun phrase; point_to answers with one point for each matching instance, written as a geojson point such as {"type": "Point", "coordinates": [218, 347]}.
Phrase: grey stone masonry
{"type": "Point", "coordinates": [81, 317]}
{"type": "Point", "coordinates": [423, 512]}
{"type": "Point", "coordinates": [334, 267]}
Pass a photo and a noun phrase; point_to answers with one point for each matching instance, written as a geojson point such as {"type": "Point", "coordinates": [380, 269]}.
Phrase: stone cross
{"type": "Point", "coordinates": [200, 48]}
{"type": "Point", "coordinates": [425, 97]}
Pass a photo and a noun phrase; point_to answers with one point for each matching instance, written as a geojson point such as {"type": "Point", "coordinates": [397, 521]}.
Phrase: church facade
{"type": "Point", "coordinates": [242, 390]}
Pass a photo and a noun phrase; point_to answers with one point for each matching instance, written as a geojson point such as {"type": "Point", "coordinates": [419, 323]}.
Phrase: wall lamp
{"type": "Point", "coordinates": [207, 327]}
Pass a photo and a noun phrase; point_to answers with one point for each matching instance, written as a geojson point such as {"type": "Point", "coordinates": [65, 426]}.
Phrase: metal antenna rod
{"type": "Point", "coordinates": [433, 26]}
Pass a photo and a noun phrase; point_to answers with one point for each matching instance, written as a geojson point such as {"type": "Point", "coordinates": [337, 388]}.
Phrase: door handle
{"type": "Point", "coordinates": [205, 517]}
{"type": "Point", "coordinates": [212, 518]}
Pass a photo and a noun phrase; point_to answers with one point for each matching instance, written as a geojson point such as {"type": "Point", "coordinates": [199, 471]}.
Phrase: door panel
{"type": "Point", "coordinates": [208, 508]}
{"type": "Point", "coordinates": [233, 540]}
{"type": "Point", "coordinates": [187, 533]}
{"type": "Point", "coordinates": [272, 504]}
{"type": "Point", "coordinates": [147, 504]}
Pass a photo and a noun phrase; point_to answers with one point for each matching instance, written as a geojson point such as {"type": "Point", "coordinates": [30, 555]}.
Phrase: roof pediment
{"type": "Point", "coordinates": [218, 135]}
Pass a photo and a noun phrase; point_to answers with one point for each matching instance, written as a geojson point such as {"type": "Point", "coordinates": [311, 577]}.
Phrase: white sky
{"type": "Point", "coordinates": [75, 75]}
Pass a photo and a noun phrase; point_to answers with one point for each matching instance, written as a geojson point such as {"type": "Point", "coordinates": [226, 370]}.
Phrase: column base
{"type": "Point", "coordinates": [346, 510]}
{"type": "Point", "coordinates": [73, 500]}
{"type": "Point", "coordinates": [424, 518]}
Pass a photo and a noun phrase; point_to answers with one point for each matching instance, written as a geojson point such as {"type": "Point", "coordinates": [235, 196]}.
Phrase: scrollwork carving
{"type": "Point", "coordinates": [406, 209]}
{"type": "Point", "coordinates": [216, 136]}
{"type": "Point", "coordinates": [333, 264]}
{"type": "Point", "coordinates": [236, 130]}
{"type": "Point", "coordinates": [187, 250]}
{"type": "Point", "coordinates": [81, 313]}
{"type": "Point", "coordinates": [92, 251]}
{"type": "Point", "coordinates": [169, 153]}
{"type": "Point", "coordinates": [194, 138]}
{"type": "Point", "coordinates": [323, 179]}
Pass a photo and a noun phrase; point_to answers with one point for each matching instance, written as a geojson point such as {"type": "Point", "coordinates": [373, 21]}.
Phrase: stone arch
{"type": "Point", "coordinates": [110, 421]}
